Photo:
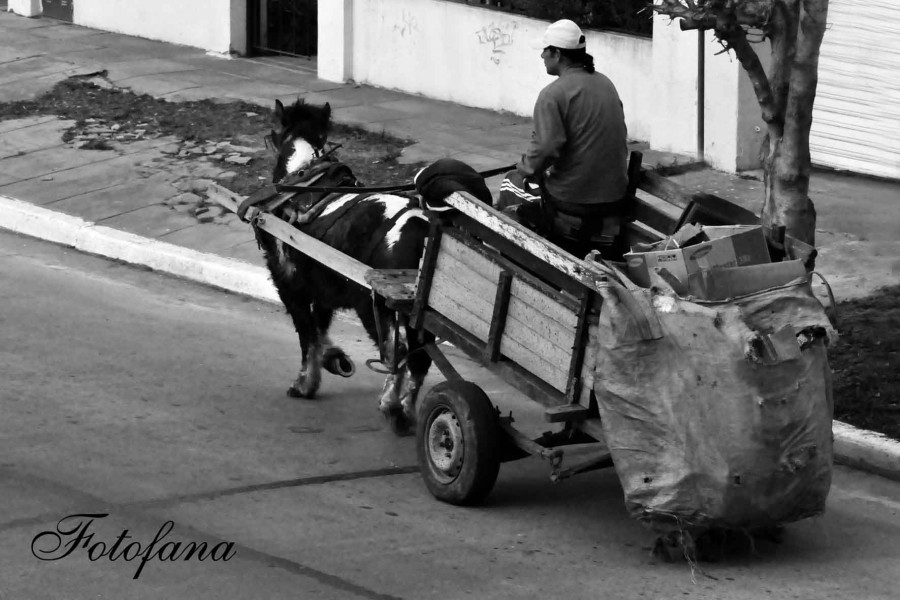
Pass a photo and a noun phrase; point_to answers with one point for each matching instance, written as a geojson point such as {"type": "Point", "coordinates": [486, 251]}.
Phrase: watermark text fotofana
{"type": "Point", "coordinates": [74, 533]}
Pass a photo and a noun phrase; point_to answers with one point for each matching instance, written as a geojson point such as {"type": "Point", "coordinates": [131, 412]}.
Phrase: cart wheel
{"type": "Point", "coordinates": [458, 443]}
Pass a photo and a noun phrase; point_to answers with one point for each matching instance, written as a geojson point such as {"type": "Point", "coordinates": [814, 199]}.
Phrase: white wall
{"type": "Point", "coordinates": [733, 129]}
{"type": "Point", "coordinates": [483, 58]}
{"type": "Point", "coordinates": [673, 119]}
{"type": "Point", "coordinates": [467, 54]}
{"type": "Point", "coordinates": [213, 25]}
{"type": "Point", "coordinates": [25, 8]}
{"type": "Point", "coordinates": [734, 126]}
{"type": "Point", "coordinates": [335, 40]}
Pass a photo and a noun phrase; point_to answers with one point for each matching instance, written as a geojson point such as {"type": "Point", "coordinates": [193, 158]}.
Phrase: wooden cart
{"type": "Point", "coordinates": [521, 306]}
{"type": "Point", "coordinates": [524, 308]}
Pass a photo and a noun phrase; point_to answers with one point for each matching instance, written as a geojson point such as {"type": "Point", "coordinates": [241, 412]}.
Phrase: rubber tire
{"type": "Point", "coordinates": [481, 442]}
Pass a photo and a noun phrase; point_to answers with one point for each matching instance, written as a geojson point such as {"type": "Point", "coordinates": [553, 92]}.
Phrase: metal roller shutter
{"type": "Point", "coordinates": [856, 119]}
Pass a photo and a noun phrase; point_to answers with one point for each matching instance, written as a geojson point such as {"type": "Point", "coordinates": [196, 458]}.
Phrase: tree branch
{"type": "Point", "coordinates": [735, 38]}
{"type": "Point", "coordinates": [702, 14]}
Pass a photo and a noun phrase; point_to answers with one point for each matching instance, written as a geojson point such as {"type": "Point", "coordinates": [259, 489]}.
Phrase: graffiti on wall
{"type": "Point", "coordinates": [498, 36]}
{"type": "Point", "coordinates": [407, 24]}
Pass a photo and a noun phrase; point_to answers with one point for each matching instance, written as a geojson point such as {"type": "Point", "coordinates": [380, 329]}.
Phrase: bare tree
{"type": "Point", "coordinates": [786, 94]}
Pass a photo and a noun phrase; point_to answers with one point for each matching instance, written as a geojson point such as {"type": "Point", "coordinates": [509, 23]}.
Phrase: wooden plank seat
{"type": "Point", "coordinates": [396, 286]}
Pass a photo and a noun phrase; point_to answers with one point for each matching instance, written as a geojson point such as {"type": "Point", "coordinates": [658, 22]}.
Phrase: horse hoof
{"type": "Point", "coordinates": [337, 362]}
{"type": "Point", "coordinates": [400, 425]}
{"type": "Point", "coordinates": [295, 392]}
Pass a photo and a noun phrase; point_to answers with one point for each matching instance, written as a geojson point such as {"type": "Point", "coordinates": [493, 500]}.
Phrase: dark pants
{"type": "Point", "coordinates": [576, 228]}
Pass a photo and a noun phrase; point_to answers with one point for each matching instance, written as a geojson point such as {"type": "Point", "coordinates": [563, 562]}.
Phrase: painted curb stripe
{"type": "Point", "coordinates": [866, 450]}
{"type": "Point", "coordinates": [229, 274]}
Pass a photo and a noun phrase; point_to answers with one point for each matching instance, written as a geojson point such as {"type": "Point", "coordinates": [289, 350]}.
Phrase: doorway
{"type": "Point", "coordinates": [287, 27]}
{"type": "Point", "coordinates": [58, 9]}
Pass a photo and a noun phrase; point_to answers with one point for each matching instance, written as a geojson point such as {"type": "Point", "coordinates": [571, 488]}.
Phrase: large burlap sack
{"type": "Point", "coordinates": [723, 420]}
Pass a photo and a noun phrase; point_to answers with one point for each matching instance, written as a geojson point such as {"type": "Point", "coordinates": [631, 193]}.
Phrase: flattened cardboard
{"type": "Point", "coordinates": [733, 282]}
{"type": "Point", "coordinates": [729, 246]}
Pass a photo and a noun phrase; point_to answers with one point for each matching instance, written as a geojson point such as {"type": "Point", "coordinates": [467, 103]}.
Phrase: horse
{"type": "Point", "coordinates": [382, 230]}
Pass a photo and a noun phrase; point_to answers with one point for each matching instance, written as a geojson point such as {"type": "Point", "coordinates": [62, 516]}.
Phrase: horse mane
{"type": "Point", "coordinates": [311, 122]}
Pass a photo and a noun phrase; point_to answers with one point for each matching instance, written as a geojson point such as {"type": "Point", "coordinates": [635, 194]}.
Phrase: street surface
{"type": "Point", "coordinates": [150, 399]}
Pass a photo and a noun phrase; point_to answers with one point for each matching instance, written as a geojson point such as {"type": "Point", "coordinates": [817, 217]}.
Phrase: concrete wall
{"type": "Point", "coordinates": [733, 129]}
{"type": "Point", "coordinates": [213, 25]}
{"type": "Point", "coordinates": [674, 75]}
{"type": "Point", "coordinates": [467, 54]}
{"type": "Point", "coordinates": [733, 125]}
{"type": "Point", "coordinates": [335, 40]}
{"type": "Point", "coordinates": [25, 8]}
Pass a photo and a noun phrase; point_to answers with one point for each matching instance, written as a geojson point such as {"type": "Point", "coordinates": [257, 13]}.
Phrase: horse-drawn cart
{"type": "Point", "coordinates": [529, 312]}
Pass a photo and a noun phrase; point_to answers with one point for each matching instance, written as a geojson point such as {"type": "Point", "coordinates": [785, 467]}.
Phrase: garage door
{"type": "Point", "coordinates": [856, 120]}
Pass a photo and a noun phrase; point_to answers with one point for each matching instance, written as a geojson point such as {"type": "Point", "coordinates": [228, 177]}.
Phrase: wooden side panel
{"type": "Point", "coordinates": [445, 300]}
{"type": "Point", "coordinates": [539, 330]}
{"type": "Point", "coordinates": [480, 264]}
{"type": "Point", "coordinates": [525, 347]}
{"type": "Point", "coordinates": [547, 325]}
{"type": "Point", "coordinates": [464, 286]}
{"type": "Point", "coordinates": [539, 334]}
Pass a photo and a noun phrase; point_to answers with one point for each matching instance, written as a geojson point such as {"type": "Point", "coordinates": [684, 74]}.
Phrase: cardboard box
{"type": "Point", "coordinates": [733, 282]}
{"type": "Point", "coordinates": [728, 246]}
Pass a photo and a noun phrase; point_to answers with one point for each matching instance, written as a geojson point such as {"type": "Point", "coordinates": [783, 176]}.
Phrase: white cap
{"type": "Point", "coordinates": [564, 34]}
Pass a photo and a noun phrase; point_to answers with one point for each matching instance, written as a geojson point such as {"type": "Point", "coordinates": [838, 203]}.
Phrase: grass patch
{"type": "Point", "coordinates": [866, 362]}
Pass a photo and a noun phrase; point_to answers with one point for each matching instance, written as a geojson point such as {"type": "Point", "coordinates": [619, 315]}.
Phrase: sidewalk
{"type": "Point", "coordinates": [111, 203]}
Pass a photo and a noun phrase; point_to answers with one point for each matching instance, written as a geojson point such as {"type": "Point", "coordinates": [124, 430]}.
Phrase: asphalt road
{"type": "Point", "coordinates": [152, 400]}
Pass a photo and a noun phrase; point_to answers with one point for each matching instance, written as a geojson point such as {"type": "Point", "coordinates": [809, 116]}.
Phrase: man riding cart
{"type": "Point", "coordinates": [571, 184]}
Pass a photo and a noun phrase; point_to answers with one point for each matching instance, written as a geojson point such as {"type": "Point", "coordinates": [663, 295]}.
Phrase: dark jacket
{"type": "Point", "coordinates": [580, 136]}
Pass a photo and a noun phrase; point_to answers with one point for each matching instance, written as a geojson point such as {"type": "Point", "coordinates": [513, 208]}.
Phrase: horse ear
{"type": "Point", "coordinates": [326, 110]}
{"type": "Point", "coordinates": [273, 141]}
{"type": "Point", "coordinates": [279, 112]}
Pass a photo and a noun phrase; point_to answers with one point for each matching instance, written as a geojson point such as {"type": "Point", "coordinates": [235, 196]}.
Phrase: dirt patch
{"type": "Point", "coordinates": [227, 134]}
{"type": "Point", "coordinates": [866, 363]}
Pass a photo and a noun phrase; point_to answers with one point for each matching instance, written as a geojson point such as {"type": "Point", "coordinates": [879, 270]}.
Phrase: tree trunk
{"type": "Point", "coordinates": [786, 94]}
{"type": "Point", "coordinates": [788, 165]}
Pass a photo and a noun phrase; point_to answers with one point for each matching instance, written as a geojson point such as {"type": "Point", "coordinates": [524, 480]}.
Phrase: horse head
{"type": "Point", "coordinates": [300, 135]}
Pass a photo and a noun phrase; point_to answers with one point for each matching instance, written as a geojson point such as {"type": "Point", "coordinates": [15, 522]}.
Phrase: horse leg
{"type": "Point", "coordinates": [309, 376]}
{"type": "Point", "coordinates": [334, 359]}
{"type": "Point", "coordinates": [389, 401]}
{"type": "Point", "coordinates": [418, 361]}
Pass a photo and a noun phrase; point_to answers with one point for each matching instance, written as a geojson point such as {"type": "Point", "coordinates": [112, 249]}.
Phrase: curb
{"type": "Point", "coordinates": [853, 447]}
{"type": "Point", "coordinates": [229, 274]}
{"type": "Point", "coordinates": [866, 450]}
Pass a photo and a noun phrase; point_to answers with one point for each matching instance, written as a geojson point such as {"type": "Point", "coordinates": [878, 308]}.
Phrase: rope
{"type": "Point", "coordinates": [384, 370]}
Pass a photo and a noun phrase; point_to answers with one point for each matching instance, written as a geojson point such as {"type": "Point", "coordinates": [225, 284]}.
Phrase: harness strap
{"type": "Point", "coordinates": [316, 209]}
{"type": "Point", "coordinates": [272, 197]}
{"type": "Point", "coordinates": [384, 188]}
{"type": "Point", "coordinates": [338, 214]}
